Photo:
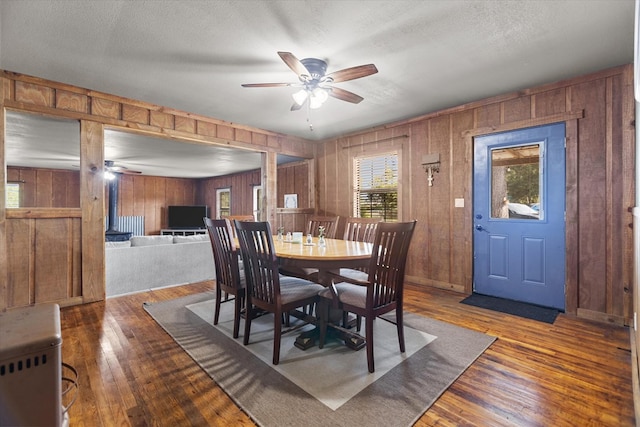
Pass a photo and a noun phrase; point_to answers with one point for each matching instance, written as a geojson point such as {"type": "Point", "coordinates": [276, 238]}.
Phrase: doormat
{"type": "Point", "coordinates": [521, 309]}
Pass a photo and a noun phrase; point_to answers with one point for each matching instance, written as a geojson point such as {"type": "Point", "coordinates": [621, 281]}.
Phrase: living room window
{"type": "Point", "coordinates": [375, 189]}
{"type": "Point", "coordinates": [223, 202]}
{"type": "Point", "coordinates": [13, 194]}
{"type": "Point", "coordinates": [257, 201]}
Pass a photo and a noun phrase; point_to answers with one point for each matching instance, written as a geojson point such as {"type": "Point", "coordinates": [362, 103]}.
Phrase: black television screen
{"type": "Point", "coordinates": [188, 217]}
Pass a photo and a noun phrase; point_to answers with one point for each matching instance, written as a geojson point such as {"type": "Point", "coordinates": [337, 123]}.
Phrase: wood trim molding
{"type": "Point", "coordinates": [538, 121]}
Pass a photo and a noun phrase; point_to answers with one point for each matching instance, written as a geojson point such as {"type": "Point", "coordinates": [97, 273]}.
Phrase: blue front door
{"type": "Point", "coordinates": [519, 211]}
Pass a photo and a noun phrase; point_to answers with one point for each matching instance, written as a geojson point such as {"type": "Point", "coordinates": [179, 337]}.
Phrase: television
{"type": "Point", "coordinates": [187, 217]}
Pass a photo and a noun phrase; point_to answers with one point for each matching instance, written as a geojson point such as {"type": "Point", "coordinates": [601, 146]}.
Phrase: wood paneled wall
{"type": "Point", "coordinates": [241, 186]}
{"type": "Point", "coordinates": [149, 196]}
{"type": "Point", "coordinates": [598, 110]}
{"type": "Point", "coordinates": [47, 188]}
{"type": "Point", "coordinates": [81, 230]}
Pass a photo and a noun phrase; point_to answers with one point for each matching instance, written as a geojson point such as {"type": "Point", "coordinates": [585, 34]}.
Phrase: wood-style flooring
{"type": "Point", "coordinates": [572, 373]}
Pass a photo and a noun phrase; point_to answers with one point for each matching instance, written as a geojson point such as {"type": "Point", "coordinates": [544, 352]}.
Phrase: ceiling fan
{"type": "Point", "coordinates": [316, 86]}
{"type": "Point", "coordinates": [111, 167]}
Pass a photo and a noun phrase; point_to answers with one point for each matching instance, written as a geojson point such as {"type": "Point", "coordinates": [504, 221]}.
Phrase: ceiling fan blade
{"type": "Point", "coordinates": [109, 165]}
{"type": "Point", "coordinates": [266, 84]}
{"type": "Point", "coordinates": [352, 73]}
{"type": "Point", "coordinates": [345, 95]}
{"type": "Point", "coordinates": [295, 65]}
{"type": "Point", "coordinates": [125, 171]}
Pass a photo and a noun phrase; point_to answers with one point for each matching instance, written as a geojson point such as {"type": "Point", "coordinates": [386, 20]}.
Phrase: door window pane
{"type": "Point", "coordinates": [515, 182]}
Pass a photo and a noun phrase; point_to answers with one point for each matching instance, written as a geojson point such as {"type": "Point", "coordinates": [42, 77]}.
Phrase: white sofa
{"type": "Point", "coordinates": [148, 262]}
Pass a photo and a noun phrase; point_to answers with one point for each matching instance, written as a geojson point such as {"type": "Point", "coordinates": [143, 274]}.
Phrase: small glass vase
{"type": "Point", "coordinates": [321, 242]}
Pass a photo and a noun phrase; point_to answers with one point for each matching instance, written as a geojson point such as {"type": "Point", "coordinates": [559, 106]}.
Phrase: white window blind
{"type": "Point", "coordinates": [223, 202]}
{"type": "Point", "coordinates": [376, 187]}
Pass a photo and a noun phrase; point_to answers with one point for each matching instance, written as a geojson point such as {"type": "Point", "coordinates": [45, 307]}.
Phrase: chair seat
{"type": "Point", "coordinates": [311, 274]}
{"type": "Point", "coordinates": [350, 274]}
{"type": "Point", "coordinates": [348, 293]}
{"type": "Point", "coordinates": [292, 289]}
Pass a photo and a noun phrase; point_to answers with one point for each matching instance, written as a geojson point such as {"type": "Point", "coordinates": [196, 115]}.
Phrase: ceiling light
{"type": "Point", "coordinates": [300, 96]}
{"type": "Point", "coordinates": [318, 97]}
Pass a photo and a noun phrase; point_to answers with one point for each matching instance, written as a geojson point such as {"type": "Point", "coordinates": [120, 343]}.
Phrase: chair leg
{"type": "Point", "coordinates": [247, 323]}
{"type": "Point", "coordinates": [236, 316]}
{"type": "Point", "coordinates": [277, 335]}
{"type": "Point", "coordinates": [323, 309]}
{"type": "Point", "coordinates": [216, 315]}
{"type": "Point", "coordinates": [400, 326]}
{"type": "Point", "coordinates": [369, 338]}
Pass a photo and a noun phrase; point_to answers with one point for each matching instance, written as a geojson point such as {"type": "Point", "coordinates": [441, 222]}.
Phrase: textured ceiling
{"type": "Point", "coordinates": [194, 55]}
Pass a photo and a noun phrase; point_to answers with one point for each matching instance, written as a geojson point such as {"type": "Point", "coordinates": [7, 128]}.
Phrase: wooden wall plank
{"type": "Point", "coordinates": [132, 113]}
{"type": "Point", "coordinates": [66, 100]}
{"type": "Point", "coordinates": [514, 110]}
{"type": "Point", "coordinates": [53, 254]}
{"type": "Point", "coordinates": [34, 94]}
{"type": "Point", "coordinates": [105, 108]}
{"type": "Point", "coordinates": [92, 202]}
{"type": "Point", "coordinates": [206, 128]}
{"type": "Point", "coordinates": [162, 120]}
{"type": "Point", "coordinates": [592, 194]}
{"type": "Point", "coordinates": [461, 217]}
{"type": "Point", "coordinates": [550, 102]}
{"type": "Point", "coordinates": [185, 124]}
{"type": "Point", "coordinates": [20, 280]}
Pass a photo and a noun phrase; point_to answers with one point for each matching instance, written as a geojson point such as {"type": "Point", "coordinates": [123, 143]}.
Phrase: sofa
{"type": "Point", "coordinates": [148, 262]}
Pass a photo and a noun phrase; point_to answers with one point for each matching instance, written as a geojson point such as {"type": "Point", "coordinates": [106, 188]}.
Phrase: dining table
{"type": "Point", "coordinates": [331, 255]}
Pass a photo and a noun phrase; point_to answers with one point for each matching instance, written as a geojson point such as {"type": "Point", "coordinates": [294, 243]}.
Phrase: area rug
{"type": "Point", "coordinates": [516, 308]}
{"type": "Point", "coordinates": [401, 390]}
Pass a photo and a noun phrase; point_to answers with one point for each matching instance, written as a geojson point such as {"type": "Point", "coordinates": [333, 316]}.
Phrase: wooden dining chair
{"type": "Point", "coordinates": [233, 218]}
{"type": "Point", "coordinates": [266, 289]}
{"type": "Point", "coordinates": [360, 229]}
{"type": "Point", "coordinates": [357, 230]}
{"type": "Point", "coordinates": [330, 224]}
{"type": "Point", "coordinates": [230, 278]}
{"type": "Point", "coordinates": [382, 292]}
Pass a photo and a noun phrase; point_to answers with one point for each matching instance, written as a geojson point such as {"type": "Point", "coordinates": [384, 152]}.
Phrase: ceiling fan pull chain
{"type": "Point", "coordinates": [309, 116]}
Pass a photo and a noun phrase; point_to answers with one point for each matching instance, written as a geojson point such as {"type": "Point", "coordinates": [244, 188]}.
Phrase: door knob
{"type": "Point", "coordinates": [479, 227]}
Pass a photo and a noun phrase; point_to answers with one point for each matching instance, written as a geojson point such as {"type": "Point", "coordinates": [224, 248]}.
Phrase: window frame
{"type": "Point", "coordinates": [354, 208]}
{"type": "Point", "coordinates": [219, 192]}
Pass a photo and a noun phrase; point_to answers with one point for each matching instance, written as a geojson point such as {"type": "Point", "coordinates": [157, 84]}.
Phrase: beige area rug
{"type": "Point", "coordinates": [323, 387]}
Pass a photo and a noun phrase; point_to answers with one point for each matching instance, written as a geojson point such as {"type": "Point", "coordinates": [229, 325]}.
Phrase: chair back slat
{"type": "Point", "coordinates": [388, 261]}
{"type": "Point", "coordinates": [330, 224]}
{"type": "Point", "coordinates": [225, 255]}
{"type": "Point", "coordinates": [260, 263]}
{"type": "Point", "coordinates": [361, 229]}
{"type": "Point", "coordinates": [233, 218]}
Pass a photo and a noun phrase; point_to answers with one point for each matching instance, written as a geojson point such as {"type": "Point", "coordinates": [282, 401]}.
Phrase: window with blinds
{"type": "Point", "coordinates": [223, 202]}
{"type": "Point", "coordinates": [375, 189]}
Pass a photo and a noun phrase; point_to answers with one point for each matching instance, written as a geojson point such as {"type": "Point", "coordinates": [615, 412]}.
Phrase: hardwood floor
{"type": "Point", "coordinates": [572, 373]}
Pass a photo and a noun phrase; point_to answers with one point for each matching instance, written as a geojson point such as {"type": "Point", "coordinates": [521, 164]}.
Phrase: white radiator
{"type": "Point", "coordinates": [130, 224]}
{"type": "Point", "coordinates": [31, 367]}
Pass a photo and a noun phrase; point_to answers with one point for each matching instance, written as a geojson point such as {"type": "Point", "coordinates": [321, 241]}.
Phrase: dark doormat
{"type": "Point", "coordinates": [521, 309]}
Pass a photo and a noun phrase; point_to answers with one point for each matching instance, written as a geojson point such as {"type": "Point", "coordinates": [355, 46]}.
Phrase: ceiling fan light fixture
{"type": "Point", "coordinates": [300, 96]}
{"type": "Point", "coordinates": [318, 97]}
